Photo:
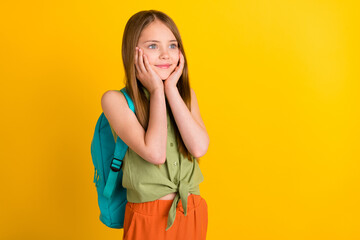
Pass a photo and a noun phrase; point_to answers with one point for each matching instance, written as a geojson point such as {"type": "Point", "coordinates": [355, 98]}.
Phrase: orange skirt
{"type": "Point", "coordinates": [148, 220]}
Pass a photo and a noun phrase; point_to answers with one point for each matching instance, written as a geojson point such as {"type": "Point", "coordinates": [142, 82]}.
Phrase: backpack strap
{"type": "Point", "coordinates": [119, 154]}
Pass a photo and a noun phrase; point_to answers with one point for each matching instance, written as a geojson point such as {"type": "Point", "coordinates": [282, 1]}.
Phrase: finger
{"type": "Point", "coordinates": [136, 60]}
{"type": "Point", "coordinates": [180, 66]}
{"type": "Point", "coordinates": [182, 63]}
{"type": "Point", "coordinates": [147, 64]}
{"type": "Point", "coordinates": [182, 59]}
{"type": "Point", "coordinates": [149, 67]}
{"type": "Point", "coordinates": [141, 61]}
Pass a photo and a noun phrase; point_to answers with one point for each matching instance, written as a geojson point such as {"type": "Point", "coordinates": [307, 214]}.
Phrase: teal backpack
{"type": "Point", "coordinates": [107, 157]}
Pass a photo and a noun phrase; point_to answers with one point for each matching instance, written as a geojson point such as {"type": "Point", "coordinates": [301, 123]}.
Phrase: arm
{"type": "Point", "coordinates": [156, 134]}
{"type": "Point", "coordinates": [150, 145]}
{"type": "Point", "coordinates": [190, 124]}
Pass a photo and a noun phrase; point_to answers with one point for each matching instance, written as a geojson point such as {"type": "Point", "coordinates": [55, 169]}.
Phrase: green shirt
{"type": "Point", "coordinates": [146, 182]}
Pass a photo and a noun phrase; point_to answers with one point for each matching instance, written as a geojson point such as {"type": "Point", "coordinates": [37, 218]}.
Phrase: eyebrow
{"type": "Point", "coordinates": [159, 41]}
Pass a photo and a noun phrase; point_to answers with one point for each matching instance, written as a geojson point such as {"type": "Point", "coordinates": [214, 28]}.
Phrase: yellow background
{"type": "Point", "coordinates": [278, 88]}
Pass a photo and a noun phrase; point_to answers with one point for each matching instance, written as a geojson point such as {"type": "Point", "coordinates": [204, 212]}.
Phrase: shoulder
{"type": "Point", "coordinates": [111, 98]}
{"type": "Point", "coordinates": [112, 95]}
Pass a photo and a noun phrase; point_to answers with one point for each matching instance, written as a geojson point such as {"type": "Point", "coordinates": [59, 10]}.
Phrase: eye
{"type": "Point", "coordinates": [152, 45]}
{"type": "Point", "coordinates": [174, 46]}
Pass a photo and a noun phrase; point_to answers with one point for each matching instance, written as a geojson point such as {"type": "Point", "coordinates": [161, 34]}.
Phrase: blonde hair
{"type": "Point", "coordinates": [133, 86]}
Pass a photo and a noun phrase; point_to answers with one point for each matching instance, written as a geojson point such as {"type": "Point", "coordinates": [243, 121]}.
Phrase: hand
{"type": "Point", "coordinates": [144, 72]}
{"type": "Point", "coordinates": [172, 80]}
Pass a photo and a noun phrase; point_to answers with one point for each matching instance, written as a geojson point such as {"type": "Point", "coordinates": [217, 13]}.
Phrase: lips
{"type": "Point", "coordinates": [165, 66]}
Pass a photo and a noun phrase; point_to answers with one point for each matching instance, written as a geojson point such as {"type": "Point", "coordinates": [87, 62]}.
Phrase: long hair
{"type": "Point", "coordinates": [134, 87]}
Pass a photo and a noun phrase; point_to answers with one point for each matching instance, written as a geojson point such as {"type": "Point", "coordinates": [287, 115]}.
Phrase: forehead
{"type": "Point", "coordinates": [156, 31]}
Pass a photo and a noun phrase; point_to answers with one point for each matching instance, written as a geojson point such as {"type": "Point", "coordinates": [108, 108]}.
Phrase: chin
{"type": "Point", "coordinates": [164, 76]}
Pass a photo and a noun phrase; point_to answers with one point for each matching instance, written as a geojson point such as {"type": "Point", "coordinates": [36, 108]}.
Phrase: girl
{"type": "Point", "coordinates": [166, 136]}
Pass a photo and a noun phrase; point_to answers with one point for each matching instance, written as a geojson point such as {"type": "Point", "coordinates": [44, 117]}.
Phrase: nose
{"type": "Point", "coordinates": [164, 54]}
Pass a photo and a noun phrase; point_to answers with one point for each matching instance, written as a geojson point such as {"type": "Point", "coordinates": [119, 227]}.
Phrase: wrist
{"type": "Point", "coordinates": [159, 89]}
{"type": "Point", "coordinates": [169, 88]}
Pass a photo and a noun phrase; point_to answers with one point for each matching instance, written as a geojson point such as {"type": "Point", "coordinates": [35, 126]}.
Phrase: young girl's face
{"type": "Point", "coordinates": [161, 48]}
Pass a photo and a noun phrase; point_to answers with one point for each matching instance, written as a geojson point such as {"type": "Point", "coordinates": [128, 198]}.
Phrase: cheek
{"type": "Point", "coordinates": [151, 58]}
{"type": "Point", "coordinates": [175, 57]}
